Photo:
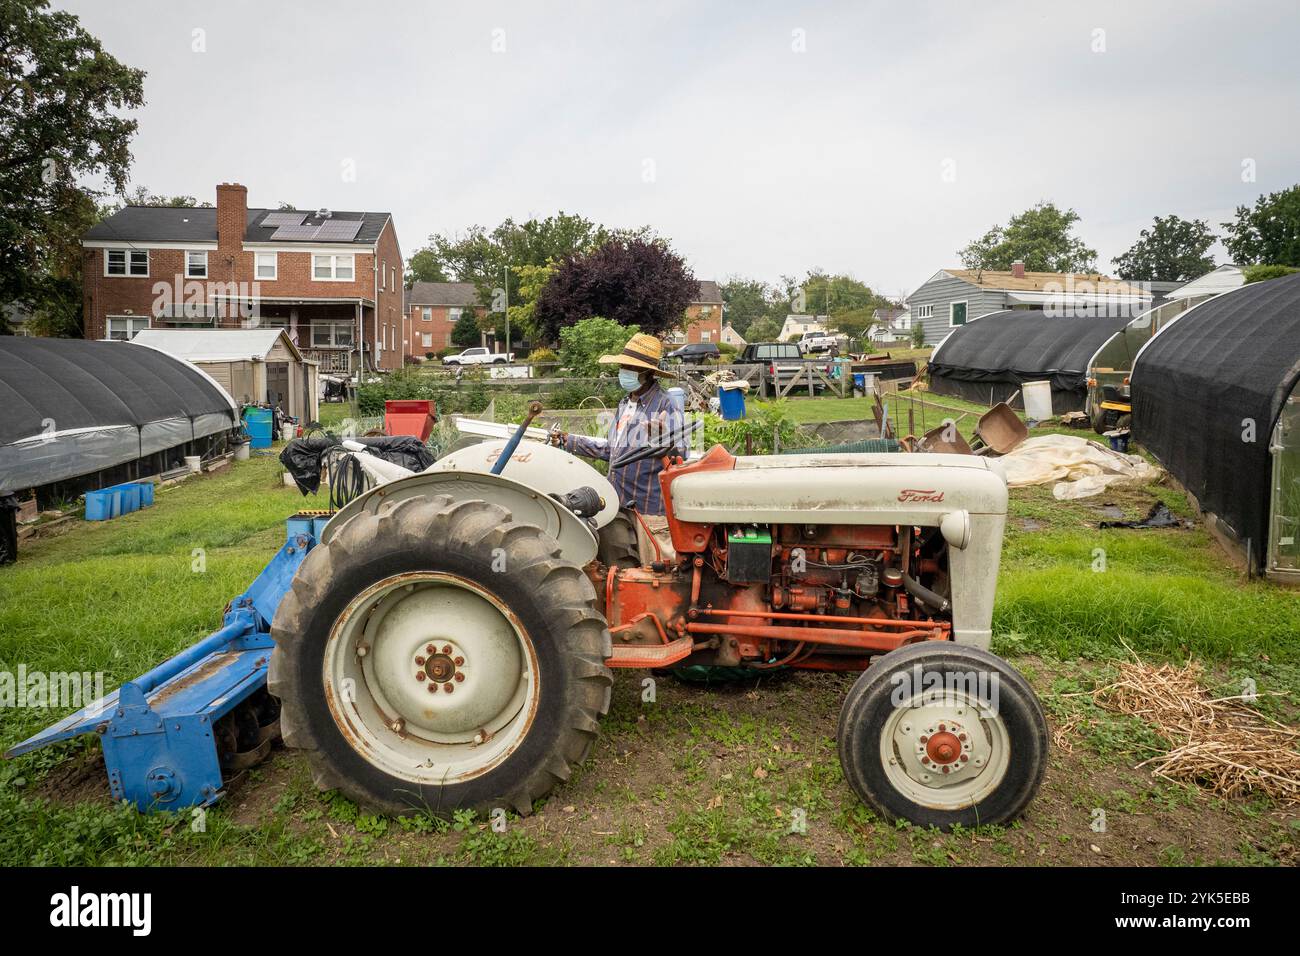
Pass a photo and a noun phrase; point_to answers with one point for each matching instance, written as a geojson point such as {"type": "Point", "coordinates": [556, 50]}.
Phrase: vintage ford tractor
{"type": "Point", "coordinates": [450, 640]}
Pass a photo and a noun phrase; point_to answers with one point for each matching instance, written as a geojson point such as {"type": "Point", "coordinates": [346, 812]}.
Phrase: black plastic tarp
{"type": "Point", "coordinates": [990, 358]}
{"type": "Point", "coordinates": [1207, 392]}
{"type": "Point", "coordinates": [302, 456]}
{"type": "Point", "coordinates": [70, 407]}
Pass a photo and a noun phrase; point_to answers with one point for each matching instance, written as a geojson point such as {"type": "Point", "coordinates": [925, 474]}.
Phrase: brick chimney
{"type": "Point", "coordinates": [232, 216]}
{"type": "Point", "coordinates": [1017, 269]}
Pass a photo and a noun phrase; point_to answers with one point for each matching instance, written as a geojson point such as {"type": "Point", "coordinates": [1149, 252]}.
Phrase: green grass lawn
{"type": "Point", "coordinates": [121, 596]}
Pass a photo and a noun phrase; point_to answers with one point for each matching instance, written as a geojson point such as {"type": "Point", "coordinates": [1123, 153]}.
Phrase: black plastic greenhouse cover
{"type": "Point", "coordinates": [1207, 392]}
{"type": "Point", "coordinates": [989, 358]}
{"type": "Point", "coordinates": [70, 407]}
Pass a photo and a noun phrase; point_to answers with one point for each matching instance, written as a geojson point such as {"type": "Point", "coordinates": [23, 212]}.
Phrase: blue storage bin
{"type": "Point", "coordinates": [731, 402]}
{"type": "Point", "coordinates": [130, 497]}
{"type": "Point", "coordinates": [146, 493]}
{"type": "Point", "coordinates": [103, 504]}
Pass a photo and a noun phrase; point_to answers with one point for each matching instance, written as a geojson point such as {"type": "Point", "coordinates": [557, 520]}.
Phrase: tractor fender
{"type": "Point", "coordinates": [527, 505]}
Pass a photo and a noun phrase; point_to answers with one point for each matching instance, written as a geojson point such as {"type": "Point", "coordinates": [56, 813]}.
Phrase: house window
{"type": "Point", "coordinates": [426, 339]}
{"type": "Point", "coordinates": [706, 336]}
{"type": "Point", "coordinates": [124, 262]}
{"type": "Point", "coordinates": [122, 328]}
{"type": "Point", "coordinates": [267, 265]}
{"type": "Point", "coordinates": [956, 313]}
{"type": "Point", "coordinates": [925, 312]}
{"type": "Point", "coordinates": [326, 335]}
{"type": "Point", "coordinates": [196, 265]}
{"type": "Point", "coordinates": [453, 315]}
{"type": "Point", "coordinates": [332, 268]}
{"type": "Point", "coordinates": [426, 314]}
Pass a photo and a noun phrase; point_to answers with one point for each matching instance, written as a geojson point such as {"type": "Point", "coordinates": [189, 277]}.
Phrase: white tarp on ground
{"type": "Point", "coordinates": [1080, 467]}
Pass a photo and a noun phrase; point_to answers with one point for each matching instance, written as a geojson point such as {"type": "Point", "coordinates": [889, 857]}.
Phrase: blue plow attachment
{"type": "Point", "coordinates": [169, 734]}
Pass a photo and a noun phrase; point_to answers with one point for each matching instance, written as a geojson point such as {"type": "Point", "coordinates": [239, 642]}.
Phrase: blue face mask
{"type": "Point", "coordinates": [629, 379]}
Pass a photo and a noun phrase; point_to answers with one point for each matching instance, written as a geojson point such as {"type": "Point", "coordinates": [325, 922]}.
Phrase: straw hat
{"type": "Point", "coordinates": [642, 351]}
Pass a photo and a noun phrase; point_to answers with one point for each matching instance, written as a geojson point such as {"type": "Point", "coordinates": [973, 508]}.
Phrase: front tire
{"type": "Point", "coordinates": [971, 752]}
{"type": "Point", "coordinates": [433, 593]}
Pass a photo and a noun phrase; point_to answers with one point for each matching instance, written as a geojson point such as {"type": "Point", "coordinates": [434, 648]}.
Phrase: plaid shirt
{"type": "Point", "coordinates": [639, 421]}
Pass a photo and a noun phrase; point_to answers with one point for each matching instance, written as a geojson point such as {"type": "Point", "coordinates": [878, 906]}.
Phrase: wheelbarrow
{"type": "Point", "coordinates": [999, 431]}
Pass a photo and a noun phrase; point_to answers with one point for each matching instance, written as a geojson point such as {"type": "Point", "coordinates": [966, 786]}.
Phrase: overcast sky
{"type": "Point", "coordinates": [762, 138]}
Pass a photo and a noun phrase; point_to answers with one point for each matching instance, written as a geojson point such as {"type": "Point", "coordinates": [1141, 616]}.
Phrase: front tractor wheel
{"type": "Point", "coordinates": [943, 734]}
{"type": "Point", "coordinates": [436, 655]}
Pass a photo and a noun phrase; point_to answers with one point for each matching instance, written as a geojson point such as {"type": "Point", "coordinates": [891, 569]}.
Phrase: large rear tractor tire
{"type": "Point", "coordinates": [438, 655]}
{"type": "Point", "coordinates": [943, 734]}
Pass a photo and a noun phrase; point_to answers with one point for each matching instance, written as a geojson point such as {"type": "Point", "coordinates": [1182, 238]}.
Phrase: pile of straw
{"type": "Point", "coordinates": [1221, 744]}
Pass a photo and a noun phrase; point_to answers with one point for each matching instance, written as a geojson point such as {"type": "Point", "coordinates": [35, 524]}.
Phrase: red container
{"type": "Point", "coordinates": [409, 416]}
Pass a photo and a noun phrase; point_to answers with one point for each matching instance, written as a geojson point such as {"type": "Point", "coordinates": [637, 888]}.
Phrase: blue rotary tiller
{"type": "Point", "coordinates": [174, 737]}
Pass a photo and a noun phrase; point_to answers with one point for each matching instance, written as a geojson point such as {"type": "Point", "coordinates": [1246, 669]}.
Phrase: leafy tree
{"type": "Point", "coordinates": [1041, 237]}
{"type": "Point", "coordinates": [584, 342]}
{"type": "Point", "coordinates": [482, 257]}
{"type": "Point", "coordinates": [744, 300]}
{"type": "Point", "coordinates": [424, 267]}
{"type": "Point", "coordinates": [856, 323]}
{"type": "Point", "coordinates": [1172, 250]}
{"type": "Point", "coordinates": [140, 196]}
{"type": "Point", "coordinates": [1269, 233]}
{"type": "Point", "coordinates": [629, 280]}
{"type": "Point", "coordinates": [763, 330]}
{"type": "Point", "coordinates": [1264, 273]}
{"type": "Point", "coordinates": [833, 295]}
{"type": "Point", "coordinates": [62, 100]}
{"type": "Point", "coordinates": [532, 280]}
{"type": "Point", "coordinates": [465, 332]}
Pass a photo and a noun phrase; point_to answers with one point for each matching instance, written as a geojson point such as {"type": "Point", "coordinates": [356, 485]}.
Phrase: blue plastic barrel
{"type": "Point", "coordinates": [731, 402]}
{"type": "Point", "coordinates": [258, 421]}
{"type": "Point", "coordinates": [146, 493]}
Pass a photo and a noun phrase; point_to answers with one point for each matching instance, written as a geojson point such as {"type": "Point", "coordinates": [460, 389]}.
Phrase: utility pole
{"type": "Point", "coordinates": [507, 292]}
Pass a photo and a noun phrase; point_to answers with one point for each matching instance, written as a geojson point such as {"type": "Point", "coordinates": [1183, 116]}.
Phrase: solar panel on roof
{"type": "Point", "coordinates": [277, 219]}
{"type": "Point", "coordinates": [294, 232]}
{"type": "Point", "coordinates": [338, 230]}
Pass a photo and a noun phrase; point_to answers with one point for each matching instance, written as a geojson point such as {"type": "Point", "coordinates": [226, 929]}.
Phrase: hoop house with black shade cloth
{"type": "Point", "coordinates": [1214, 377]}
{"type": "Point", "coordinates": [70, 408]}
{"type": "Point", "coordinates": [988, 359]}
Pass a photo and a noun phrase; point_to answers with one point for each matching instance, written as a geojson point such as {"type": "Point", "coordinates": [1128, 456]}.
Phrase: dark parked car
{"type": "Point", "coordinates": [696, 353]}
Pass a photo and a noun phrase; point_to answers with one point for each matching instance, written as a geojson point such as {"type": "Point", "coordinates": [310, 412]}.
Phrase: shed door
{"type": "Point", "coordinates": [277, 385]}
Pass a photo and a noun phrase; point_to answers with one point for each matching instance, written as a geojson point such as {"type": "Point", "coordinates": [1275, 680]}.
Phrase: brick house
{"type": "Point", "coordinates": [703, 316]}
{"type": "Point", "coordinates": [432, 311]}
{"type": "Point", "coordinates": [332, 280]}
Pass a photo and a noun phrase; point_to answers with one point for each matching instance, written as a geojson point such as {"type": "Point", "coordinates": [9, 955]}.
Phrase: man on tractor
{"type": "Point", "coordinates": [647, 427]}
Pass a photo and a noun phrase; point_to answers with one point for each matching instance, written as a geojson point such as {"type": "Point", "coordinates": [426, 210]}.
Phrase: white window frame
{"type": "Point", "coordinates": [135, 324]}
{"type": "Point", "coordinates": [333, 325]}
{"type": "Point", "coordinates": [426, 340]}
{"type": "Point", "coordinates": [335, 259]}
{"type": "Point", "coordinates": [925, 311]}
{"type": "Point", "coordinates": [189, 273]}
{"type": "Point", "coordinates": [128, 263]}
{"type": "Point", "coordinates": [453, 315]}
{"type": "Point", "coordinates": [257, 266]}
{"type": "Point", "coordinates": [426, 314]}
{"type": "Point", "coordinates": [952, 306]}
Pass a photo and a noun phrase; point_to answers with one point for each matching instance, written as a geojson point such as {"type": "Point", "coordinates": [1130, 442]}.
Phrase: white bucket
{"type": "Point", "coordinates": [241, 451]}
{"type": "Point", "coordinates": [286, 432]}
{"type": "Point", "coordinates": [1038, 400]}
{"type": "Point", "coordinates": [194, 463]}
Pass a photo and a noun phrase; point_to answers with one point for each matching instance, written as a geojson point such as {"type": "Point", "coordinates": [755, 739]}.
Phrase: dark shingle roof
{"type": "Point", "coordinates": [199, 224]}
{"type": "Point", "coordinates": [708, 293]}
{"type": "Point", "coordinates": [443, 293]}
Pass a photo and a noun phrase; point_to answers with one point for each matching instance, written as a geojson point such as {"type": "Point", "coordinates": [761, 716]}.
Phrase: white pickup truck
{"type": "Point", "coordinates": [479, 356]}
